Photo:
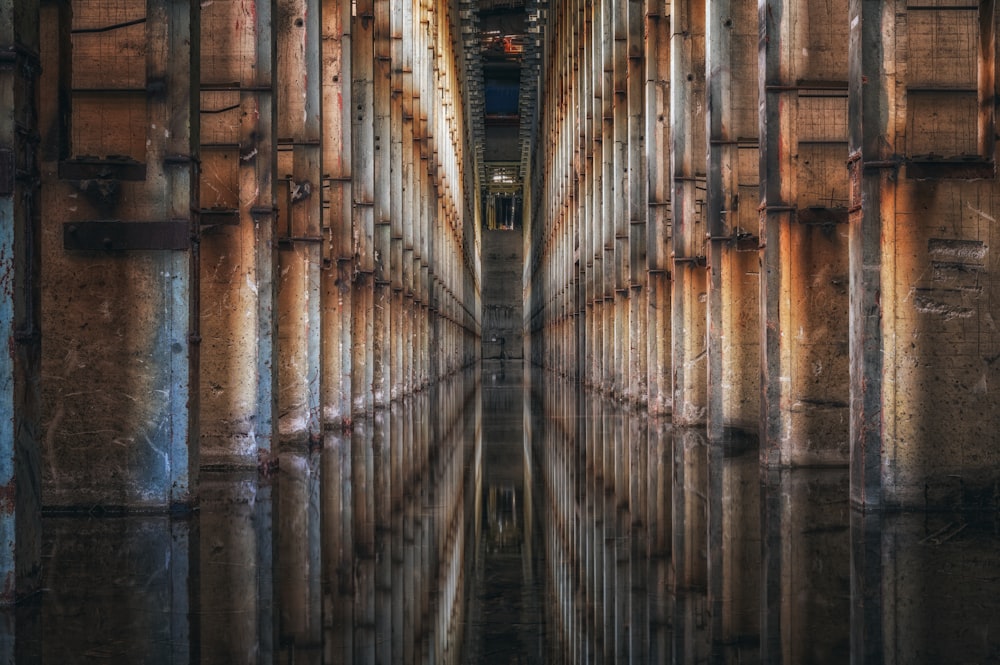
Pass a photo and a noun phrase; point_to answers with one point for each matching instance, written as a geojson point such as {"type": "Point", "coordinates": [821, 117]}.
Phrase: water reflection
{"type": "Point", "coordinates": [504, 518]}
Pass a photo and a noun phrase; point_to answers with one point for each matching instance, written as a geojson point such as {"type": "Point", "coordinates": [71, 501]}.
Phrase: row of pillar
{"type": "Point", "coordinates": [587, 262]}
{"type": "Point", "coordinates": [238, 225]}
{"type": "Point", "coordinates": [738, 222]}
{"type": "Point", "coordinates": [397, 510]}
{"type": "Point", "coordinates": [332, 261]}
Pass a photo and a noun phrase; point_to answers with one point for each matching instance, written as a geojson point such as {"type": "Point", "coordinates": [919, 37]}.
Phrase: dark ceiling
{"type": "Point", "coordinates": [502, 51]}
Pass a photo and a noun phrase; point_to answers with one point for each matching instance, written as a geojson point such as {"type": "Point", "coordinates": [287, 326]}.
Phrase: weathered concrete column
{"type": "Point", "coordinates": [20, 325]}
{"type": "Point", "coordinates": [777, 213]}
{"type": "Point", "coordinates": [594, 65]}
{"type": "Point", "coordinates": [688, 335]}
{"type": "Point", "coordinates": [605, 70]}
{"type": "Point", "coordinates": [923, 371]}
{"type": "Point", "coordinates": [732, 120]}
{"type": "Point", "coordinates": [300, 222]}
{"type": "Point", "coordinates": [411, 196]}
{"type": "Point", "coordinates": [399, 342]}
{"type": "Point", "coordinates": [637, 209]}
{"type": "Point", "coordinates": [619, 63]}
{"type": "Point", "coordinates": [121, 193]}
{"type": "Point", "coordinates": [238, 259]}
{"type": "Point", "coordinates": [803, 194]}
{"type": "Point", "coordinates": [658, 189]}
{"type": "Point", "coordinates": [872, 129]}
{"type": "Point", "coordinates": [721, 195]}
{"type": "Point", "coordinates": [336, 293]}
{"type": "Point", "coordinates": [363, 202]}
{"type": "Point", "coordinates": [381, 341]}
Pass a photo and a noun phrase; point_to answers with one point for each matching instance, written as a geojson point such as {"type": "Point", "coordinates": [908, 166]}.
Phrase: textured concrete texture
{"type": "Point", "coordinates": [503, 317]}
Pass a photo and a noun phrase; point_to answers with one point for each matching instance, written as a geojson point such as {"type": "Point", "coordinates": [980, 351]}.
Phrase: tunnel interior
{"type": "Point", "coordinates": [499, 330]}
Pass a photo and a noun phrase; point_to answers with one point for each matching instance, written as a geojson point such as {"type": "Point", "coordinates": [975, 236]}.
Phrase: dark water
{"type": "Point", "coordinates": [505, 519]}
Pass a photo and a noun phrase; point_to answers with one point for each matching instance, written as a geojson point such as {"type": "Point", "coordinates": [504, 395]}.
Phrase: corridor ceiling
{"type": "Point", "coordinates": [502, 40]}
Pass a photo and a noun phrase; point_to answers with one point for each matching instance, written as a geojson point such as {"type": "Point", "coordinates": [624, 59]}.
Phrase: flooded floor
{"type": "Point", "coordinates": [505, 518]}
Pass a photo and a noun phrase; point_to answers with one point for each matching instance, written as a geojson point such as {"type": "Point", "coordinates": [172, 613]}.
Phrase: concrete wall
{"type": "Point", "coordinates": [502, 298]}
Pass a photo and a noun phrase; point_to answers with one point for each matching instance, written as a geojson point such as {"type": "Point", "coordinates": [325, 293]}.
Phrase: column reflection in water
{"type": "Point", "coordinates": [493, 522]}
{"type": "Point", "coordinates": [237, 621]}
{"type": "Point", "coordinates": [925, 588]}
{"type": "Point", "coordinates": [605, 500]}
{"type": "Point", "coordinates": [734, 553]}
{"type": "Point", "coordinates": [806, 567]}
{"type": "Point", "coordinates": [396, 520]}
{"type": "Point", "coordinates": [660, 544]}
{"type": "Point", "coordinates": [115, 590]}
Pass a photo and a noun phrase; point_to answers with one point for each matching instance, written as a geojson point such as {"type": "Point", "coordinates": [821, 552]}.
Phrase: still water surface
{"type": "Point", "coordinates": [507, 518]}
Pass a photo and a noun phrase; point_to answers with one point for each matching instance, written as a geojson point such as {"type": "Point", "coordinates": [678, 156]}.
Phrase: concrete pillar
{"type": "Point", "coordinates": [605, 70]}
{"type": "Point", "coordinates": [381, 341]}
{"type": "Point", "coordinates": [20, 323]}
{"type": "Point", "coordinates": [873, 186]}
{"type": "Point", "coordinates": [120, 189]}
{"type": "Point", "coordinates": [238, 194]}
{"type": "Point", "coordinates": [637, 209]}
{"type": "Point", "coordinates": [299, 226]}
{"type": "Point", "coordinates": [596, 250]}
{"type": "Point", "coordinates": [688, 334]}
{"type": "Point", "coordinates": [336, 293]}
{"type": "Point", "coordinates": [411, 198]}
{"type": "Point", "coordinates": [777, 197]}
{"type": "Point", "coordinates": [923, 194]}
{"type": "Point", "coordinates": [399, 342]}
{"type": "Point", "coordinates": [363, 201]}
{"type": "Point", "coordinates": [803, 255]}
{"type": "Point", "coordinates": [721, 198]}
{"type": "Point", "coordinates": [620, 195]}
{"type": "Point", "coordinates": [658, 226]}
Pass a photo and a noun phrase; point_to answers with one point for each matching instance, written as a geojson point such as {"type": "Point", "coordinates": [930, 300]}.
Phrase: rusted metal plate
{"type": "Point", "coordinates": [93, 168]}
{"type": "Point", "coordinates": [126, 235]}
{"type": "Point", "coordinates": [216, 216]}
{"type": "Point", "coordinates": [7, 171]}
{"type": "Point", "coordinates": [957, 169]}
{"type": "Point", "coordinates": [816, 215]}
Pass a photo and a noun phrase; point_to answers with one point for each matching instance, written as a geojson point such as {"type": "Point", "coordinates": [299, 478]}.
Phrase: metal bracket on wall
{"type": "Point", "coordinates": [125, 236]}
